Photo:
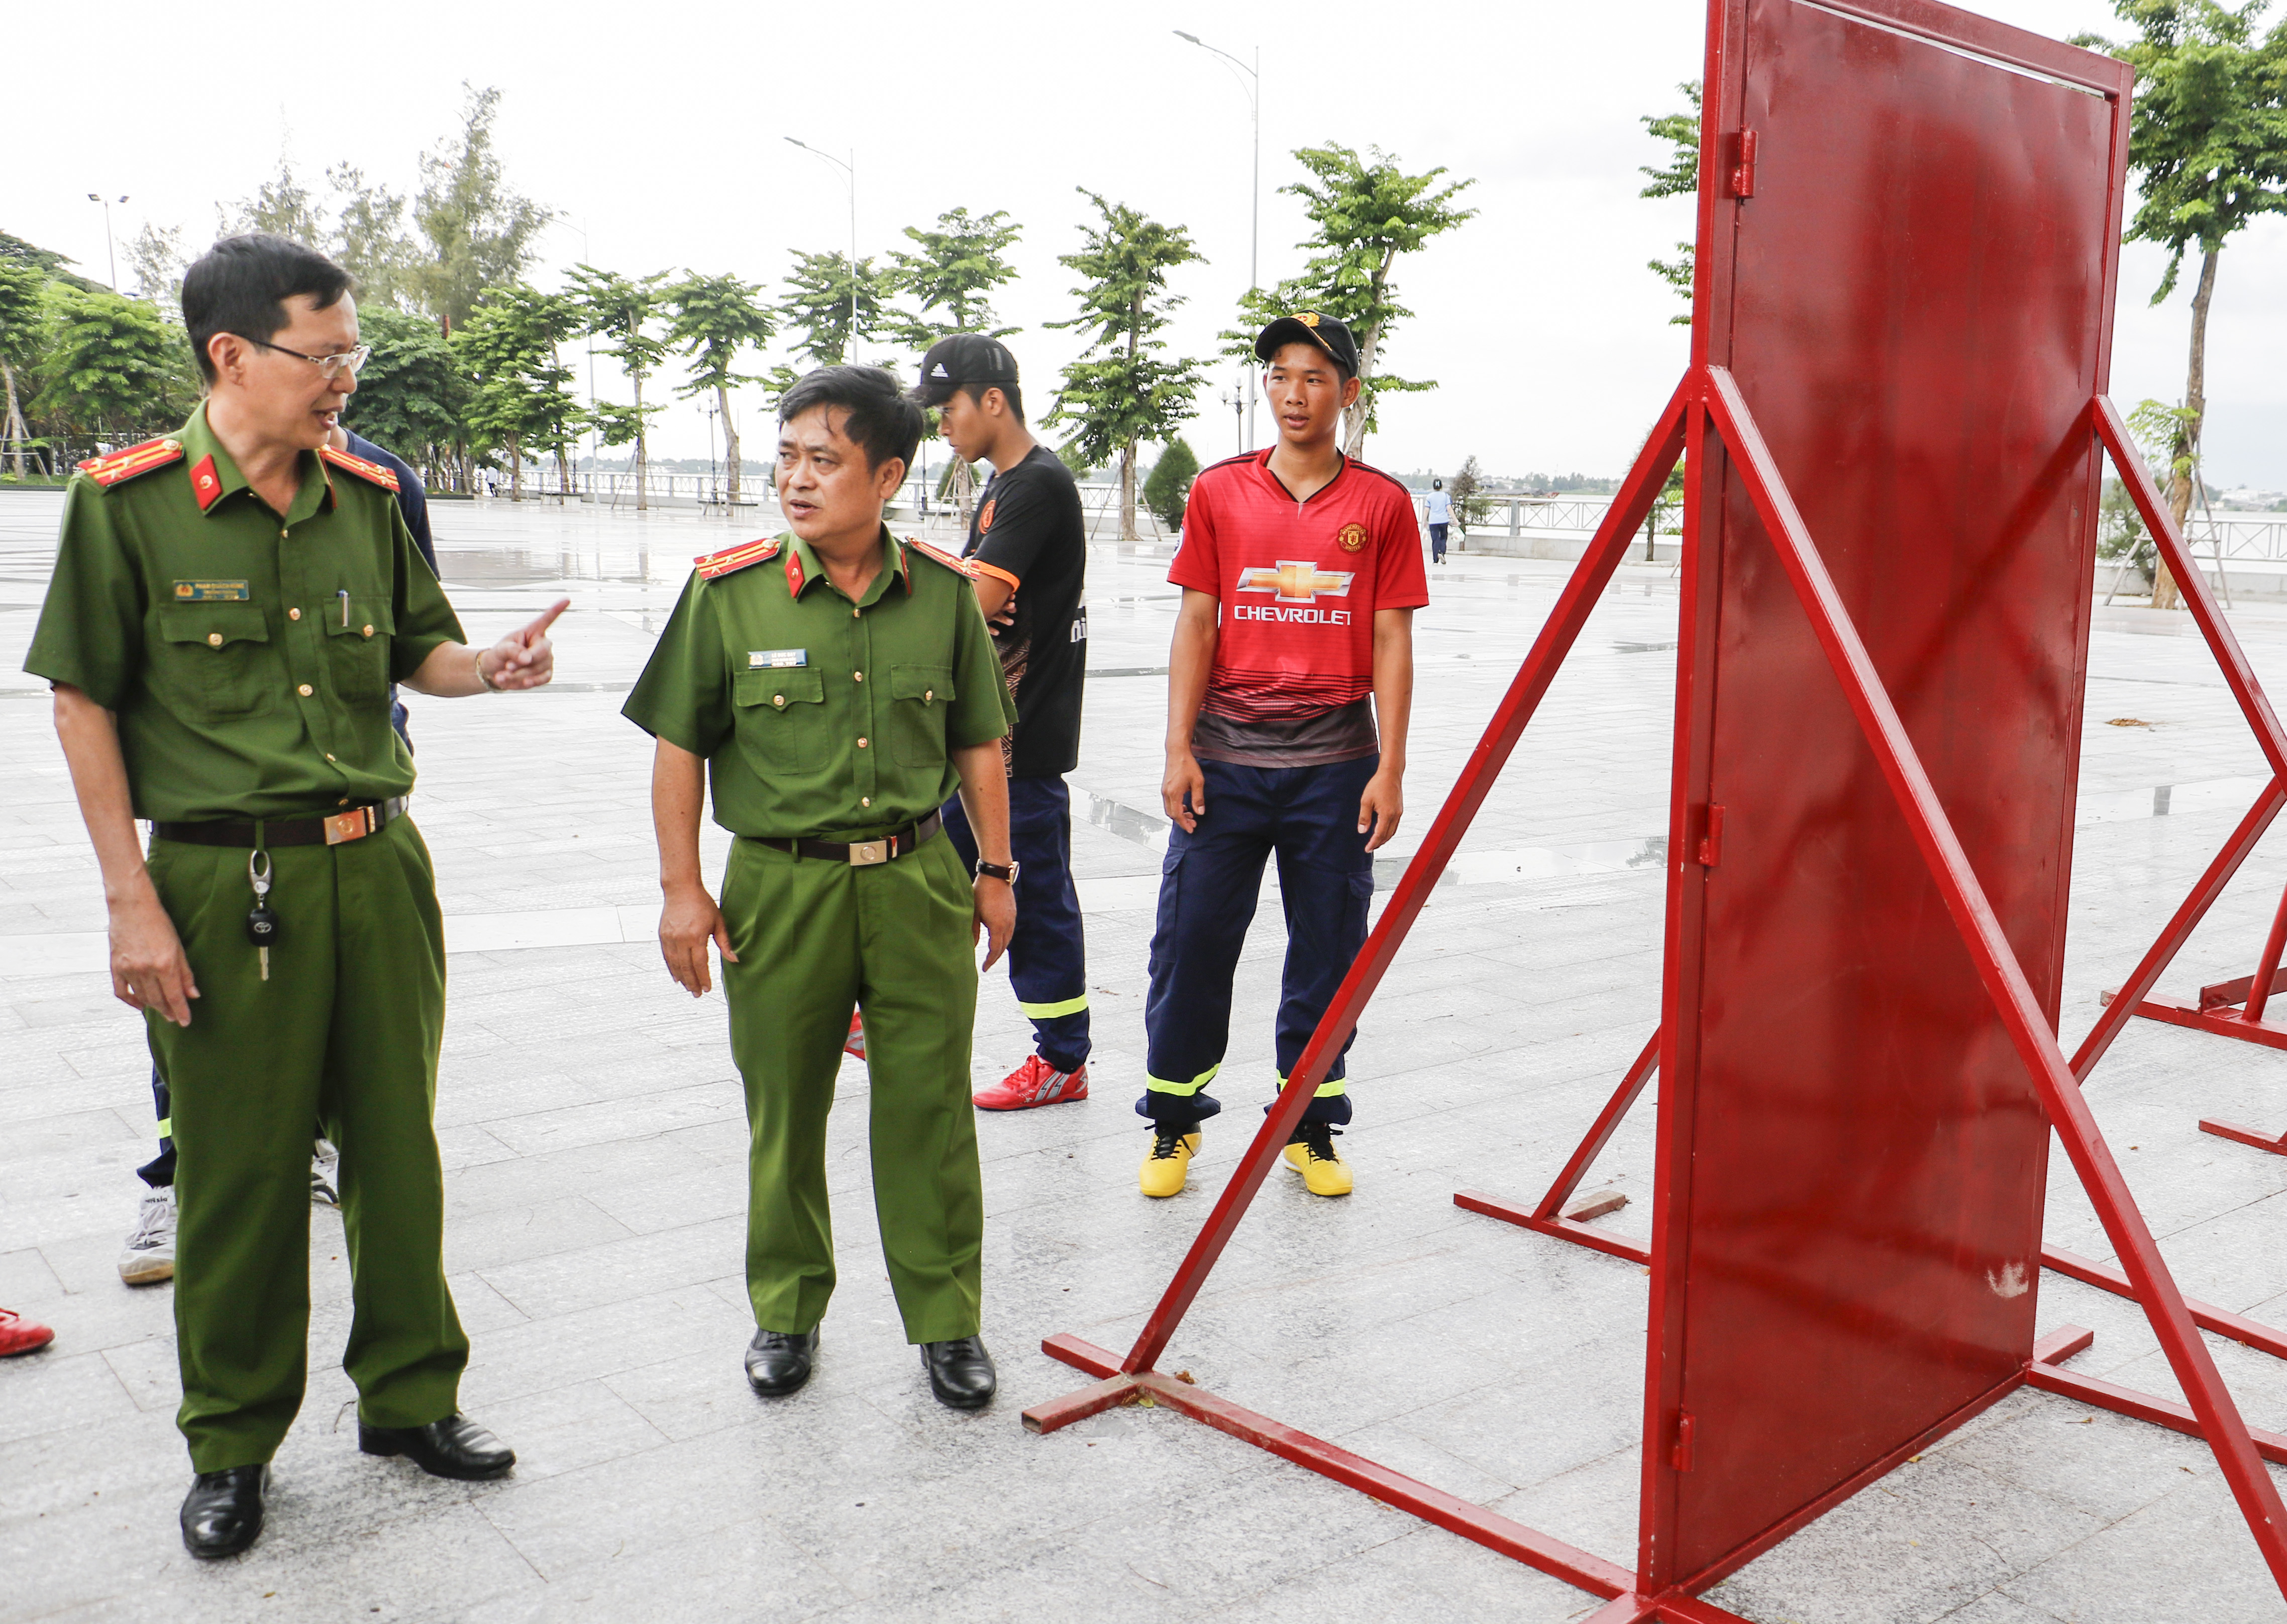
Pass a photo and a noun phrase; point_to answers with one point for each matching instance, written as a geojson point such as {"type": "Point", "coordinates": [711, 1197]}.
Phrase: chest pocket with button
{"type": "Point", "coordinates": [920, 704]}
{"type": "Point", "coordinates": [357, 655]}
{"type": "Point", "coordinates": [212, 658]}
{"type": "Point", "coordinates": [781, 719]}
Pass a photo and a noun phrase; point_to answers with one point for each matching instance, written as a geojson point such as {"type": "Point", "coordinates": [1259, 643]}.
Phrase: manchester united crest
{"type": "Point", "coordinates": [1351, 537]}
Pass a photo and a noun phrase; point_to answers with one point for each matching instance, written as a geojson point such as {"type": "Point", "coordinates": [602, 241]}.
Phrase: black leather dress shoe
{"type": "Point", "coordinates": [452, 1447]}
{"type": "Point", "coordinates": [222, 1515]}
{"type": "Point", "coordinates": [960, 1371]}
{"type": "Point", "coordinates": [778, 1362]}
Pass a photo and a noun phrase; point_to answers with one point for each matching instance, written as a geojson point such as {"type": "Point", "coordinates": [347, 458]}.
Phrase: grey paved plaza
{"type": "Point", "coordinates": [595, 1149]}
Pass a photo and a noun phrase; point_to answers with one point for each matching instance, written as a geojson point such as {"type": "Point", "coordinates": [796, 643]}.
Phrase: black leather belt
{"type": "Point", "coordinates": [354, 824]}
{"type": "Point", "coordinates": [864, 853]}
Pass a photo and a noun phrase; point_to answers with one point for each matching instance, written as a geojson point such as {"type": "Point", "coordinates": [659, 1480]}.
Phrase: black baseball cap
{"type": "Point", "coordinates": [965, 357]}
{"type": "Point", "coordinates": [1309, 327]}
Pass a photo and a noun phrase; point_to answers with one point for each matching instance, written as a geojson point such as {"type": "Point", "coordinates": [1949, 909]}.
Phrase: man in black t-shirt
{"type": "Point", "coordinates": [1027, 553]}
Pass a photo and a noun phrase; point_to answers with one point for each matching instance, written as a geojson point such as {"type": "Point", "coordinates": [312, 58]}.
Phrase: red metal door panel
{"type": "Point", "coordinates": [1917, 296]}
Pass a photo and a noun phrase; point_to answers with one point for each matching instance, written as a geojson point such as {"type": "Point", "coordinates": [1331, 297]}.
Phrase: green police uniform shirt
{"type": "Point", "coordinates": [247, 657]}
{"type": "Point", "coordinates": [819, 718]}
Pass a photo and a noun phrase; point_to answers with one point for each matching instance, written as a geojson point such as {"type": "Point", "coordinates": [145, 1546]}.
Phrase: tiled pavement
{"type": "Point", "coordinates": [592, 1133]}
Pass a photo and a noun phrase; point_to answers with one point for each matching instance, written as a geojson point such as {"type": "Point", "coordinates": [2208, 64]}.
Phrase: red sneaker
{"type": "Point", "coordinates": [1035, 1082]}
{"type": "Point", "coordinates": [18, 1335]}
{"type": "Point", "coordinates": [855, 1043]}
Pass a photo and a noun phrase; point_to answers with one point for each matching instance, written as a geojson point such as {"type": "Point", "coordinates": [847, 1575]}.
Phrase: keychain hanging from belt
{"type": "Point", "coordinates": [261, 924]}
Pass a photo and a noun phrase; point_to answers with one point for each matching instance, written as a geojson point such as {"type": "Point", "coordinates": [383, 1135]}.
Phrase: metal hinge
{"type": "Point", "coordinates": [1711, 838]}
{"type": "Point", "coordinates": [1680, 1455]}
{"type": "Point", "coordinates": [1743, 164]}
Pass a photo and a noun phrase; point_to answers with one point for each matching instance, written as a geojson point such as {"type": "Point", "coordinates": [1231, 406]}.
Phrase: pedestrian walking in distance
{"type": "Point", "coordinates": [1027, 553]}
{"type": "Point", "coordinates": [1300, 570]}
{"type": "Point", "coordinates": [835, 686]}
{"type": "Point", "coordinates": [229, 607]}
{"type": "Point", "coordinates": [1437, 509]}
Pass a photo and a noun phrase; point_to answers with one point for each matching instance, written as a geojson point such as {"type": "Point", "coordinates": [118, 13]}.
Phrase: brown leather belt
{"type": "Point", "coordinates": [354, 824]}
{"type": "Point", "coordinates": [864, 853]}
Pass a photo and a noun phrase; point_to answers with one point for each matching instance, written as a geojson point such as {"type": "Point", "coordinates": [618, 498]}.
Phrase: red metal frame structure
{"type": "Point", "coordinates": [1907, 247]}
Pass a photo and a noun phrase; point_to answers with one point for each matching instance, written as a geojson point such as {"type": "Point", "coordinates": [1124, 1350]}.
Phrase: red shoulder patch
{"type": "Point", "coordinates": [959, 566]}
{"type": "Point", "coordinates": [206, 483]}
{"type": "Point", "coordinates": [712, 565]}
{"type": "Point", "coordinates": [372, 473]}
{"type": "Point", "coordinates": [116, 466]}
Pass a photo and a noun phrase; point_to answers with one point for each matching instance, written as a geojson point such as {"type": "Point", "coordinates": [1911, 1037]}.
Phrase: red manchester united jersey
{"type": "Point", "coordinates": [1299, 583]}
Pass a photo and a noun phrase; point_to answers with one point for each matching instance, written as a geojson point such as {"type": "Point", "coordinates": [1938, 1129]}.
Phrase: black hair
{"type": "Point", "coordinates": [880, 419]}
{"type": "Point", "coordinates": [1437, 485]}
{"type": "Point", "coordinates": [240, 285]}
{"type": "Point", "coordinates": [1010, 391]}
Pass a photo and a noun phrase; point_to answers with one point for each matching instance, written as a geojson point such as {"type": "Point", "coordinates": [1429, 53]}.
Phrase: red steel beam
{"type": "Point", "coordinates": [2224, 1023]}
{"type": "Point", "coordinates": [2276, 1144]}
{"type": "Point", "coordinates": [2207, 1316]}
{"type": "Point", "coordinates": [2143, 1406]}
{"type": "Point", "coordinates": [2020, 1012]}
{"type": "Point", "coordinates": [1623, 1096]}
{"type": "Point", "coordinates": [1562, 628]}
{"type": "Point", "coordinates": [1563, 1229]}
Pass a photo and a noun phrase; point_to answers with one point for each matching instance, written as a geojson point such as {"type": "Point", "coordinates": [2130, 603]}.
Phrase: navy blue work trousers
{"type": "Point", "coordinates": [1209, 887]}
{"type": "Point", "coordinates": [1047, 958]}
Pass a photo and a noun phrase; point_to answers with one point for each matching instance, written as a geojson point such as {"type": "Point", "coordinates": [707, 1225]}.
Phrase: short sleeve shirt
{"type": "Point", "coordinates": [1298, 583]}
{"type": "Point", "coordinates": [1028, 531]}
{"type": "Point", "coordinates": [247, 655]}
{"type": "Point", "coordinates": [819, 717]}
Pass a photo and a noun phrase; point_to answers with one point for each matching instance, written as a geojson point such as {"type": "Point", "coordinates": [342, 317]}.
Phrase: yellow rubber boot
{"type": "Point", "coordinates": [1314, 1156]}
{"type": "Point", "coordinates": [1167, 1163]}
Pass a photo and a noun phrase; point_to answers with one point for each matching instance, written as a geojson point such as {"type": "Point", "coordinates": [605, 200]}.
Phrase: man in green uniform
{"type": "Point", "coordinates": [836, 685]}
{"type": "Point", "coordinates": [229, 606]}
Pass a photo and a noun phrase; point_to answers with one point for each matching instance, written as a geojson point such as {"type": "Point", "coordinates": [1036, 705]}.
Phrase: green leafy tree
{"type": "Point", "coordinates": [111, 366]}
{"type": "Point", "coordinates": [412, 395]}
{"type": "Point", "coordinates": [2208, 142]}
{"type": "Point", "coordinates": [1679, 177]}
{"type": "Point", "coordinates": [1466, 491]}
{"type": "Point", "coordinates": [519, 389]}
{"type": "Point", "coordinates": [155, 257]}
{"type": "Point", "coordinates": [20, 311]}
{"type": "Point", "coordinates": [619, 310]}
{"type": "Point", "coordinates": [952, 282]}
{"type": "Point", "coordinates": [1124, 389]}
{"type": "Point", "coordinates": [15, 250]}
{"type": "Point", "coordinates": [819, 301]}
{"type": "Point", "coordinates": [951, 279]}
{"type": "Point", "coordinates": [1167, 488]}
{"type": "Point", "coordinates": [1366, 212]}
{"type": "Point", "coordinates": [281, 206]}
{"type": "Point", "coordinates": [370, 241]}
{"type": "Point", "coordinates": [479, 232]}
{"type": "Point", "coordinates": [714, 320]}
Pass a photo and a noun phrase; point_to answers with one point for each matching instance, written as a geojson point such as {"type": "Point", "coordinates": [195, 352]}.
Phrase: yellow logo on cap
{"type": "Point", "coordinates": [1308, 318]}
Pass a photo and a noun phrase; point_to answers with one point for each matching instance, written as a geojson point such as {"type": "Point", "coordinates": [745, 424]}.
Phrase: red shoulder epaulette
{"type": "Point", "coordinates": [115, 466]}
{"type": "Point", "coordinates": [712, 565]}
{"type": "Point", "coordinates": [959, 566]}
{"type": "Point", "coordinates": [373, 473]}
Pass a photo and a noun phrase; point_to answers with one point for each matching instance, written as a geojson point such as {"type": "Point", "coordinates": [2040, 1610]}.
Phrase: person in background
{"type": "Point", "coordinates": [1438, 511]}
{"type": "Point", "coordinates": [148, 1257]}
{"type": "Point", "coordinates": [1027, 553]}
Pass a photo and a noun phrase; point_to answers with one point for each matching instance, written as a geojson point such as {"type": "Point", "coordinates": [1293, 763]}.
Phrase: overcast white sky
{"type": "Point", "coordinates": [658, 135]}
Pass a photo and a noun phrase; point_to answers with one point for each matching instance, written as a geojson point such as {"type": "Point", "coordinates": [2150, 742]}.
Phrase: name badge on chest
{"type": "Point", "coordinates": [213, 591]}
{"type": "Point", "coordinates": [776, 659]}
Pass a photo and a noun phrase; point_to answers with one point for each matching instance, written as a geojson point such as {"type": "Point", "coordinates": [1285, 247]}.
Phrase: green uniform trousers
{"type": "Point", "coordinates": [816, 938]}
{"type": "Point", "coordinates": [343, 1034]}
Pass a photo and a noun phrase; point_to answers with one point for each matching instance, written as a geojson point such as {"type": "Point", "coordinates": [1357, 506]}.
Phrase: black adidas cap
{"type": "Point", "coordinates": [1309, 327]}
{"type": "Point", "coordinates": [965, 357]}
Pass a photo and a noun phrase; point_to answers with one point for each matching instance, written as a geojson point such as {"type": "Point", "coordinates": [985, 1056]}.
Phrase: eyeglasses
{"type": "Point", "coordinates": [328, 366]}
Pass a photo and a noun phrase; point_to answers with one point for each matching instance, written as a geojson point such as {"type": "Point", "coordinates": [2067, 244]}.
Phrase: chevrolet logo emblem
{"type": "Point", "coordinates": [1297, 580]}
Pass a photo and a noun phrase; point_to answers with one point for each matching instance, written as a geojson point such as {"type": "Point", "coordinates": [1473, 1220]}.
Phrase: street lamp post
{"type": "Point", "coordinates": [850, 172]}
{"type": "Point", "coordinates": [1253, 85]}
{"type": "Point", "coordinates": [110, 249]}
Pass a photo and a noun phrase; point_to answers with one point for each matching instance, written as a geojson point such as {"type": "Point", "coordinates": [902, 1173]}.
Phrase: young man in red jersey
{"type": "Point", "coordinates": [1301, 571]}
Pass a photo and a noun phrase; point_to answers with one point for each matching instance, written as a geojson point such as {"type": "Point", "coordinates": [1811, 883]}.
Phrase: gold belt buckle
{"type": "Point", "coordinates": [865, 853]}
{"type": "Point", "coordinates": [353, 825]}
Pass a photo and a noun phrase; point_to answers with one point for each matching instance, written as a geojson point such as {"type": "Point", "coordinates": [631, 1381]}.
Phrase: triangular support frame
{"type": "Point", "coordinates": [1707, 401]}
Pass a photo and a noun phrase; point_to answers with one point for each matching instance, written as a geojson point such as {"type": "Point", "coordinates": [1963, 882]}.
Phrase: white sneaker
{"type": "Point", "coordinates": [325, 1168]}
{"type": "Point", "coordinates": [149, 1259]}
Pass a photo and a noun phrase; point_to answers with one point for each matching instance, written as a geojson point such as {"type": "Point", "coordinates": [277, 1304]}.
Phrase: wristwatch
{"type": "Point", "coordinates": [999, 871]}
